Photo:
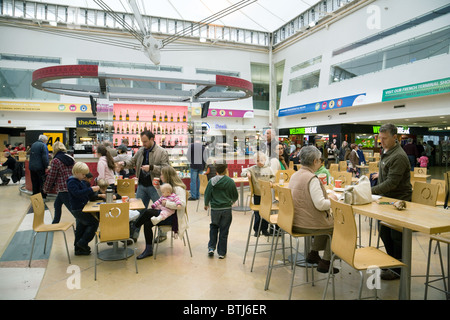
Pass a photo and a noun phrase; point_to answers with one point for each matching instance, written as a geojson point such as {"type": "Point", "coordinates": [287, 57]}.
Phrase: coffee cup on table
{"type": "Point", "coordinates": [125, 199]}
{"type": "Point", "coordinates": [323, 178]}
{"type": "Point", "coordinates": [338, 183]}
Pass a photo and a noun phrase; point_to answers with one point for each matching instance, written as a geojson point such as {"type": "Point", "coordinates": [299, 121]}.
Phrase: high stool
{"type": "Point", "coordinates": [444, 238]}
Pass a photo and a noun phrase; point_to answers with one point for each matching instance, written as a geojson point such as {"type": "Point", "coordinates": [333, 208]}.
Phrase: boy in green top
{"type": "Point", "coordinates": [221, 193]}
{"type": "Point", "coordinates": [322, 169]}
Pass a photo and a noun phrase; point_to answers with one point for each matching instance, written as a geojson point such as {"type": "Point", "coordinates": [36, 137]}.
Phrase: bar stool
{"type": "Point", "coordinates": [444, 238]}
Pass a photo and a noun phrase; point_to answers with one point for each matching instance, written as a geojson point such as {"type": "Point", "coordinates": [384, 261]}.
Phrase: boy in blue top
{"type": "Point", "coordinates": [221, 193]}
{"type": "Point", "coordinates": [79, 195]}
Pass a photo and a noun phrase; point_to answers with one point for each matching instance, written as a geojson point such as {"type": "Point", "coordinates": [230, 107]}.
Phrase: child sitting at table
{"type": "Point", "coordinates": [260, 171]}
{"type": "Point", "coordinates": [101, 193]}
{"type": "Point", "coordinates": [79, 193]}
{"type": "Point", "coordinates": [167, 194]}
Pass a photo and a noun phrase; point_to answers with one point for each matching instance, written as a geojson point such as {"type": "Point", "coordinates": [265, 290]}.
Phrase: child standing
{"type": "Point", "coordinates": [167, 194]}
{"type": "Point", "coordinates": [79, 193]}
{"type": "Point", "coordinates": [423, 160]}
{"type": "Point", "coordinates": [221, 193]}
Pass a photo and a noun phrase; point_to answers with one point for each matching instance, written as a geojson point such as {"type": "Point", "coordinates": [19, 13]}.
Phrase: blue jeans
{"type": "Point", "coordinates": [195, 183]}
{"type": "Point", "coordinates": [146, 194]}
{"type": "Point", "coordinates": [219, 227]}
{"type": "Point", "coordinates": [61, 198]}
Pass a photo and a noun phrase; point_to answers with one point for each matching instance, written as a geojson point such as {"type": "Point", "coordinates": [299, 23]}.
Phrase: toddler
{"type": "Point", "coordinates": [423, 160]}
{"type": "Point", "coordinates": [167, 194]}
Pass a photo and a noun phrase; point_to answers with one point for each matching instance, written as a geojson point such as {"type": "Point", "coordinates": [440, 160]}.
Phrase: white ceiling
{"type": "Point", "coordinates": [262, 15]}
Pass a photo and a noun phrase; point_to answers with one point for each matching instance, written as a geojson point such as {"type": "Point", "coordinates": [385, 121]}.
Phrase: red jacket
{"type": "Point", "coordinates": [58, 174]}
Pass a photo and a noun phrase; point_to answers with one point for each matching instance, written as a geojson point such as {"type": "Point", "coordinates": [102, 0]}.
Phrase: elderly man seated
{"type": "Point", "coordinates": [10, 164]}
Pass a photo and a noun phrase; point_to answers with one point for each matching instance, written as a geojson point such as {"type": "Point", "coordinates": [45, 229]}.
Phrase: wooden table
{"type": "Point", "coordinates": [364, 168]}
{"type": "Point", "coordinates": [115, 253]}
{"type": "Point", "coordinates": [416, 217]}
{"type": "Point", "coordinates": [241, 206]}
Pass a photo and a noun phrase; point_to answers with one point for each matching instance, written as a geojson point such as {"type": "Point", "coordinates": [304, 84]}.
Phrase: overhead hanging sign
{"type": "Point", "coordinates": [44, 106]}
{"type": "Point", "coordinates": [324, 105]}
{"type": "Point", "coordinates": [417, 90]}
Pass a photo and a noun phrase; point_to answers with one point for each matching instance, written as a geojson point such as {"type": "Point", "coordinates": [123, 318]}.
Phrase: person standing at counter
{"type": "Point", "coordinates": [148, 161]}
{"type": "Point", "coordinates": [38, 164]}
{"type": "Point", "coordinates": [197, 164]}
{"type": "Point", "coordinates": [105, 165]}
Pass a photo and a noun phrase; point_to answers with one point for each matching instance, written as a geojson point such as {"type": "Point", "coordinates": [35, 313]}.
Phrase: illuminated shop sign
{"type": "Point", "coordinates": [307, 130]}
{"type": "Point", "coordinates": [400, 130]}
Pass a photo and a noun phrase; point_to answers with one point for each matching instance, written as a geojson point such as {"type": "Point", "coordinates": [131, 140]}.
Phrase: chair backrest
{"type": "Point", "coordinates": [22, 155]}
{"type": "Point", "coordinates": [342, 166]}
{"type": "Point", "coordinates": [126, 187]}
{"type": "Point", "coordinates": [425, 193]}
{"type": "Point", "coordinates": [346, 177]}
{"type": "Point", "coordinates": [442, 189]}
{"type": "Point", "coordinates": [203, 183]}
{"type": "Point", "coordinates": [38, 209]}
{"type": "Point", "coordinates": [419, 170]}
{"type": "Point", "coordinates": [334, 167]}
{"type": "Point", "coordinates": [373, 166]}
{"type": "Point", "coordinates": [343, 242]}
{"type": "Point", "coordinates": [250, 184]}
{"type": "Point", "coordinates": [114, 221]}
{"type": "Point", "coordinates": [265, 205]}
{"type": "Point", "coordinates": [284, 174]}
{"type": "Point", "coordinates": [285, 209]}
{"type": "Point", "coordinates": [291, 165]}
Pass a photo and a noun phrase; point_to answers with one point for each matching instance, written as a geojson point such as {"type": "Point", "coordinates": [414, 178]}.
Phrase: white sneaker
{"type": "Point", "coordinates": [155, 220]}
{"type": "Point", "coordinates": [221, 257]}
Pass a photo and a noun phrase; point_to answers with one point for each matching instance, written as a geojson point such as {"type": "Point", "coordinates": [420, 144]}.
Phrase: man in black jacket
{"type": "Point", "coordinates": [10, 164]}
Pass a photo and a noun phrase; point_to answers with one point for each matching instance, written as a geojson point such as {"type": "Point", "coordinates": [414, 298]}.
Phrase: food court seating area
{"type": "Point", "coordinates": [197, 278]}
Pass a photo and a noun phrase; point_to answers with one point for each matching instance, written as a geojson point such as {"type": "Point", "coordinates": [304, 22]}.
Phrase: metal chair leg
{"type": "Point", "coordinates": [248, 236]}
{"type": "Point", "coordinates": [32, 249]}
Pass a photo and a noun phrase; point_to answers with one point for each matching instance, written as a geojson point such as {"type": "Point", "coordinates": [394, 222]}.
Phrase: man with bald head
{"type": "Point", "coordinates": [38, 164]}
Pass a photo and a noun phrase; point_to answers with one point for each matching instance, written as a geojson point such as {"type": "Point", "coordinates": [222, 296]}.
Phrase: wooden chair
{"type": "Point", "coordinates": [126, 187]}
{"type": "Point", "coordinates": [203, 183]}
{"type": "Point", "coordinates": [253, 207]}
{"type": "Point", "coordinates": [346, 177]}
{"type": "Point", "coordinates": [373, 167]}
{"type": "Point", "coordinates": [265, 211]}
{"type": "Point", "coordinates": [114, 226]}
{"type": "Point", "coordinates": [334, 167]}
{"type": "Point", "coordinates": [442, 191]}
{"type": "Point", "coordinates": [39, 226]}
{"type": "Point", "coordinates": [425, 193]}
{"type": "Point", "coordinates": [419, 170]}
{"type": "Point", "coordinates": [343, 245]}
{"type": "Point", "coordinates": [440, 238]}
{"type": "Point", "coordinates": [343, 166]}
{"type": "Point", "coordinates": [22, 156]}
{"type": "Point", "coordinates": [285, 222]}
{"type": "Point", "coordinates": [167, 228]}
{"type": "Point", "coordinates": [284, 174]}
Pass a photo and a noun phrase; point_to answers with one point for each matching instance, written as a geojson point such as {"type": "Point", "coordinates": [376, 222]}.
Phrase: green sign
{"type": "Point", "coordinates": [417, 90]}
{"type": "Point", "coordinates": [307, 130]}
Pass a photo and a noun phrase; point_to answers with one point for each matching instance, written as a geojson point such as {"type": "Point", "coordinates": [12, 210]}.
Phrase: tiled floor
{"type": "Point", "coordinates": [174, 275]}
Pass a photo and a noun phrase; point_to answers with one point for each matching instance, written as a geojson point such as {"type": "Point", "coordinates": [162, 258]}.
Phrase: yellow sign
{"type": "Point", "coordinates": [52, 138]}
{"type": "Point", "coordinates": [44, 107]}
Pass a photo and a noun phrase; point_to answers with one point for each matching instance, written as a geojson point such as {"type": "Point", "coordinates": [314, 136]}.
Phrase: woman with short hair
{"type": "Point", "coordinates": [312, 207]}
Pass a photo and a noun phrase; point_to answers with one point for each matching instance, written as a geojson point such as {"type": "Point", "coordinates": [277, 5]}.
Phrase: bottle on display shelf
{"type": "Point", "coordinates": [160, 117]}
{"type": "Point", "coordinates": [145, 126]}
{"type": "Point", "coordinates": [120, 116]}
{"type": "Point", "coordinates": [165, 117]}
{"type": "Point", "coordinates": [127, 116]}
{"type": "Point", "coordinates": [154, 115]}
{"type": "Point", "coordinates": [178, 117]}
{"type": "Point", "coordinates": [171, 117]}
{"type": "Point", "coordinates": [184, 117]}
{"type": "Point", "coordinates": [114, 116]}
{"type": "Point", "coordinates": [128, 129]}
{"type": "Point", "coordinates": [158, 131]}
{"type": "Point", "coordinates": [137, 116]}
{"type": "Point", "coordinates": [132, 129]}
{"type": "Point", "coordinates": [115, 142]}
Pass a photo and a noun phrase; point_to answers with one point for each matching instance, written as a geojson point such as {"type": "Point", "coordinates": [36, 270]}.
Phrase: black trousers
{"type": "Point", "coordinates": [37, 181]}
{"type": "Point", "coordinates": [144, 219]}
{"type": "Point", "coordinates": [392, 240]}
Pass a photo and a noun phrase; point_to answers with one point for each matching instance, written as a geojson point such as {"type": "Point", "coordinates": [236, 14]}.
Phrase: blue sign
{"type": "Point", "coordinates": [324, 105]}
